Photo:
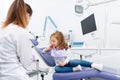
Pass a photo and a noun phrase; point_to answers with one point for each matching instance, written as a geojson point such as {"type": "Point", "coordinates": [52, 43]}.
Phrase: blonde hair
{"type": "Point", "coordinates": [17, 14]}
{"type": "Point", "coordinates": [61, 41]}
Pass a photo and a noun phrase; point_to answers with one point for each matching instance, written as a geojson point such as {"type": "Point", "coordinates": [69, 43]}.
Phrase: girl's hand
{"type": "Point", "coordinates": [50, 47]}
{"type": "Point", "coordinates": [62, 63]}
{"type": "Point", "coordinates": [47, 49]}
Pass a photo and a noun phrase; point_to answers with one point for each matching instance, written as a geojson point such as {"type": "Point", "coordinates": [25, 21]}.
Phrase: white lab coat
{"type": "Point", "coordinates": [15, 53]}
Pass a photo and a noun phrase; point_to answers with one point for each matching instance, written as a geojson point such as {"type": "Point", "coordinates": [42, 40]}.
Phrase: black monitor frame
{"type": "Point", "coordinates": [88, 25]}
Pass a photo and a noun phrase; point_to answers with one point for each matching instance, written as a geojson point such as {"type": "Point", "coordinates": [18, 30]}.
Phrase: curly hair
{"type": "Point", "coordinates": [61, 40]}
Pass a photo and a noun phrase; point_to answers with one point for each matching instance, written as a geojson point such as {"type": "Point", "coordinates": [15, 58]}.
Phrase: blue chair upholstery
{"type": "Point", "coordinates": [92, 73]}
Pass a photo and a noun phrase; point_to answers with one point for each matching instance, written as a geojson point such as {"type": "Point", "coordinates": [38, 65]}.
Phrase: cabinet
{"type": "Point", "coordinates": [89, 52]}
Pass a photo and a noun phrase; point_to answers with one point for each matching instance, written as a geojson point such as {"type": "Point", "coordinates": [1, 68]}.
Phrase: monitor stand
{"type": "Point", "coordinates": [94, 36]}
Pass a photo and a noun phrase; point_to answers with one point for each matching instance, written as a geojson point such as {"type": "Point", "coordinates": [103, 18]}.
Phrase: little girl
{"type": "Point", "coordinates": [58, 48]}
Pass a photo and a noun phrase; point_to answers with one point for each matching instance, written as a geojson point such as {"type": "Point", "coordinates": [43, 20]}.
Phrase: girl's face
{"type": "Point", "coordinates": [54, 42]}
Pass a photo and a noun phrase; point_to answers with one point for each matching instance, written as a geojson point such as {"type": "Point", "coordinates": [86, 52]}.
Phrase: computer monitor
{"type": "Point", "coordinates": [88, 24]}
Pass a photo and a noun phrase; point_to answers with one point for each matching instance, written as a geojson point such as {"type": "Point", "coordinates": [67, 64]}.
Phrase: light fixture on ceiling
{"type": "Point", "coordinates": [82, 5]}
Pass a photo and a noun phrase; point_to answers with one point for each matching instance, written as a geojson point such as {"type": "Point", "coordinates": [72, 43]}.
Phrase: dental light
{"type": "Point", "coordinates": [82, 5]}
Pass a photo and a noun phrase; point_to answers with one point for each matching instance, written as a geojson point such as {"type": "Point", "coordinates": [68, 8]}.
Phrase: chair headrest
{"type": "Point", "coordinates": [34, 41]}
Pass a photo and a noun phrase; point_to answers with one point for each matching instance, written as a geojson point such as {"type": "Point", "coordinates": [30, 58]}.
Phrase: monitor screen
{"type": "Point", "coordinates": [88, 24]}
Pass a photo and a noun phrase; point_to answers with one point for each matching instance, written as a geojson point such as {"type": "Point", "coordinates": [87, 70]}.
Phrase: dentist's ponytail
{"type": "Point", "coordinates": [17, 14]}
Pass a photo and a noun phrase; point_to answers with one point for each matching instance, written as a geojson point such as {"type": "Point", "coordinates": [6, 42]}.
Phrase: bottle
{"type": "Point", "coordinates": [70, 38]}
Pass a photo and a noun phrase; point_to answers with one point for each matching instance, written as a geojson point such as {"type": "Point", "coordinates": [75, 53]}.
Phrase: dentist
{"type": "Point", "coordinates": [15, 46]}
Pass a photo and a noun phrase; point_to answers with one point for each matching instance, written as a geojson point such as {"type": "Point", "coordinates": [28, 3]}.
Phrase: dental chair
{"type": "Point", "coordinates": [36, 69]}
{"type": "Point", "coordinates": [85, 73]}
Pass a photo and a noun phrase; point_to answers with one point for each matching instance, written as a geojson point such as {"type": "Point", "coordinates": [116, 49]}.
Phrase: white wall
{"type": "Point", "coordinates": [4, 5]}
{"type": "Point", "coordinates": [113, 25]}
{"type": "Point", "coordinates": [62, 13]}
